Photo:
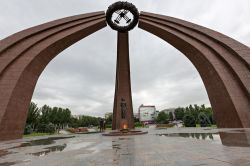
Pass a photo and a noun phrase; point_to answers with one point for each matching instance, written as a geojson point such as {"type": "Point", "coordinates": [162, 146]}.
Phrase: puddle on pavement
{"type": "Point", "coordinates": [7, 163]}
{"type": "Point", "coordinates": [201, 136]}
{"type": "Point", "coordinates": [50, 149]}
{"type": "Point", "coordinates": [237, 138]}
{"type": "Point", "coordinates": [5, 152]}
{"type": "Point", "coordinates": [39, 142]}
{"type": "Point", "coordinates": [78, 145]}
{"type": "Point", "coordinates": [60, 148]}
{"type": "Point", "coordinates": [124, 138]}
{"type": "Point", "coordinates": [237, 131]}
{"type": "Point", "coordinates": [116, 146]}
{"type": "Point", "coordinates": [11, 163]}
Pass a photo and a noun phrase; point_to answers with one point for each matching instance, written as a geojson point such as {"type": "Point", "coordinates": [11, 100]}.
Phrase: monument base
{"type": "Point", "coordinates": [124, 132]}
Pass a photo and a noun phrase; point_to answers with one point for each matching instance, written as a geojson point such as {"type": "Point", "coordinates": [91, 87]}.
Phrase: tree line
{"type": "Point", "coordinates": [190, 115]}
{"type": "Point", "coordinates": [48, 119]}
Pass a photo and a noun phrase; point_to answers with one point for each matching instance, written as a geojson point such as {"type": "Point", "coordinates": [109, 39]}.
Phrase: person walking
{"type": "Point", "coordinates": [101, 125]}
{"type": "Point", "coordinates": [104, 125]}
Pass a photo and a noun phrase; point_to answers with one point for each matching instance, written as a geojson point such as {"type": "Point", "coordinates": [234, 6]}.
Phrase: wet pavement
{"type": "Point", "coordinates": [173, 147]}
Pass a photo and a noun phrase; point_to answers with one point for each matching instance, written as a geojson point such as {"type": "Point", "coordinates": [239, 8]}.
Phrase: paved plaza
{"type": "Point", "coordinates": [173, 147]}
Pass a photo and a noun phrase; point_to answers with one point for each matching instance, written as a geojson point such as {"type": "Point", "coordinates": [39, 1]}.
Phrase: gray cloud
{"type": "Point", "coordinates": [82, 77]}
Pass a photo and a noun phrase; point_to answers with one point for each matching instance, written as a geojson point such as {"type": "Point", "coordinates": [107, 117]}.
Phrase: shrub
{"type": "Point", "coordinates": [189, 120]}
{"type": "Point", "coordinates": [50, 128]}
{"type": "Point", "coordinates": [41, 127]}
{"type": "Point", "coordinates": [108, 126]}
{"type": "Point", "coordinates": [73, 125]}
{"type": "Point", "coordinates": [28, 129]}
{"type": "Point", "coordinates": [165, 125]}
{"type": "Point", "coordinates": [46, 128]}
{"type": "Point", "coordinates": [204, 120]}
{"type": "Point", "coordinates": [138, 124]}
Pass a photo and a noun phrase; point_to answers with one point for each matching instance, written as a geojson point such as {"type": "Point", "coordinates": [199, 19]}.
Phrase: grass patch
{"type": "Point", "coordinates": [213, 125]}
{"type": "Point", "coordinates": [164, 125]}
{"type": "Point", "coordinates": [36, 134]}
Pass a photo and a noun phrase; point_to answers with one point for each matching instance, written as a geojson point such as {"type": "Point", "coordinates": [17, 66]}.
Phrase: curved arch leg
{"type": "Point", "coordinates": [23, 57]}
{"type": "Point", "coordinates": [222, 62]}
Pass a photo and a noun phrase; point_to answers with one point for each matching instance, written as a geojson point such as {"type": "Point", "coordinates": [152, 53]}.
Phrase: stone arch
{"type": "Point", "coordinates": [222, 62]}
{"type": "Point", "coordinates": [23, 57]}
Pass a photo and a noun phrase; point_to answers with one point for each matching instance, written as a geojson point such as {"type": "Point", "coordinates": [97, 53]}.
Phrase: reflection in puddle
{"type": "Point", "coordinates": [201, 136]}
{"type": "Point", "coordinates": [49, 149]}
{"type": "Point", "coordinates": [11, 163]}
{"type": "Point", "coordinates": [94, 148]}
{"type": "Point", "coordinates": [39, 142]}
{"type": "Point", "coordinates": [46, 141]}
{"type": "Point", "coordinates": [65, 147]}
{"type": "Point", "coordinates": [7, 163]}
{"type": "Point", "coordinates": [100, 146]}
{"type": "Point", "coordinates": [5, 152]}
{"type": "Point", "coordinates": [124, 138]}
{"type": "Point", "coordinates": [239, 138]}
{"type": "Point", "coordinates": [116, 146]}
{"type": "Point", "coordinates": [77, 145]}
{"type": "Point", "coordinates": [60, 148]}
{"type": "Point", "coordinates": [123, 151]}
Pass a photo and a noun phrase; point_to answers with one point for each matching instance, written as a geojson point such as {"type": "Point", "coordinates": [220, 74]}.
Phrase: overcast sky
{"type": "Point", "coordinates": [82, 78]}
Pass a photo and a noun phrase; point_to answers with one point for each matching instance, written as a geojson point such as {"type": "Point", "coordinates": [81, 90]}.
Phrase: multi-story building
{"type": "Point", "coordinates": [147, 113]}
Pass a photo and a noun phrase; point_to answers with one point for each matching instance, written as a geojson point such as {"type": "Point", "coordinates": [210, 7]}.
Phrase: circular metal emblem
{"type": "Point", "coordinates": [122, 16]}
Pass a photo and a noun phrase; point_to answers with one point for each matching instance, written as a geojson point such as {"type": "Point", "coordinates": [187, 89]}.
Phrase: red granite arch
{"type": "Point", "coordinates": [23, 57]}
{"type": "Point", "coordinates": [222, 62]}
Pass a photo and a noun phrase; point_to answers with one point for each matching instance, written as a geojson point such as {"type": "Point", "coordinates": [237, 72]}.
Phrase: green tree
{"type": "Point", "coordinates": [189, 120]}
{"type": "Point", "coordinates": [74, 122]}
{"type": "Point", "coordinates": [109, 119]}
{"type": "Point", "coordinates": [86, 121]}
{"type": "Point", "coordinates": [204, 120]}
{"type": "Point", "coordinates": [54, 117]}
{"type": "Point", "coordinates": [28, 129]}
{"type": "Point", "coordinates": [59, 115]}
{"type": "Point", "coordinates": [50, 128]}
{"type": "Point", "coordinates": [40, 119]}
{"type": "Point", "coordinates": [41, 128]}
{"type": "Point", "coordinates": [66, 116]}
{"type": "Point", "coordinates": [208, 111]}
{"type": "Point", "coordinates": [33, 115]}
{"type": "Point", "coordinates": [179, 113]}
{"type": "Point", "coordinates": [195, 112]}
{"type": "Point", "coordinates": [46, 128]}
{"type": "Point", "coordinates": [171, 116]}
{"type": "Point", "coordinates": [162, 118]}
{"type": "Point", "coordinates": [45, 114]}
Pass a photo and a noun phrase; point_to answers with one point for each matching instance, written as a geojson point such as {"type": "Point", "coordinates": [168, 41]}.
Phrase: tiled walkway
{"type": "Point", "coordinates": [157, 148]}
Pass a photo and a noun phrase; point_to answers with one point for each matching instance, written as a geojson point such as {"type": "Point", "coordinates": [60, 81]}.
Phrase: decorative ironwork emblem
{"type": "Point", "coordinates": [122, 16]}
